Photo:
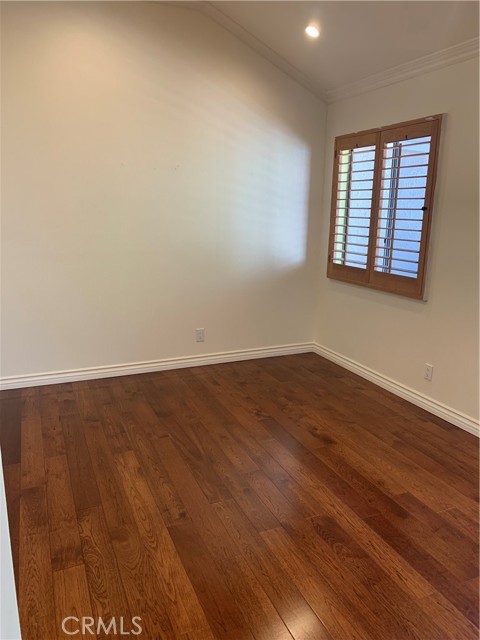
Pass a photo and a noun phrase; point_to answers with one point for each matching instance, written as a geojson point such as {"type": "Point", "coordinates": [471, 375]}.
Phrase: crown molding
{"type": "Point", "coordinates": [257, 45]}
{"type": "Point", "coordinates": [444, 58]}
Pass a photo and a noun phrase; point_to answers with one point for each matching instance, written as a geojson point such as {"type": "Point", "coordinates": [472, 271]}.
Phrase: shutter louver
{"type": "Point", "coordinates": [382, 196]}
{"type": "Point", "coordinates": [354, 206]}
{"type": "Point", "coordinates": [402, 206]}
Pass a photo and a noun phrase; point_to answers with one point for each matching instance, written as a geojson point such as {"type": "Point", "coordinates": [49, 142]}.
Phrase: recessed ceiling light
{"type": "Point", "coordinates": [312, 31]}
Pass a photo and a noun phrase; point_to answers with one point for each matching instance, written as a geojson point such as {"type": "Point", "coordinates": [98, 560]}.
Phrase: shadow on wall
{"type": "Point", "coordinates": [168, 174]}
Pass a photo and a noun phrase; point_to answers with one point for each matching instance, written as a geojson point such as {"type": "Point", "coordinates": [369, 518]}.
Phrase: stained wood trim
{"type": "Point", "coordinates": [392, 283]}
{"type": "Point", "coordinates": [406, 123]}
{"type": "Point", "coordinates": [338, 271]}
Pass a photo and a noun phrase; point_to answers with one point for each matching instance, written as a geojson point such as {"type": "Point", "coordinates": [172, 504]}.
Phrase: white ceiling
{"type": "Point", "coordinates": [358, 39]}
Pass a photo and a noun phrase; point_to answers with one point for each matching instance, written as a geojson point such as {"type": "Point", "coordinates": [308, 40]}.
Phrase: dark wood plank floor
{"type": "Point", "coordinates": [269, 500]}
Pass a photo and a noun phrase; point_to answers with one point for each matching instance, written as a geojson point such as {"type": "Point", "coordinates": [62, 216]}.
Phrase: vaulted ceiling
{"type": "Point", "coordinates": [360, 44]}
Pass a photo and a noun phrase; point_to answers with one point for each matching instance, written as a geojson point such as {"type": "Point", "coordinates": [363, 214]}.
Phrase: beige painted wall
{"type": "Point", "coordinates": [158, 176]}
{"type": "Point", "coordinates": [392, 335]}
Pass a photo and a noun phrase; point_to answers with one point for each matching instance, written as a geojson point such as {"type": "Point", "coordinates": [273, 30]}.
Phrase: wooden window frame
{"type": "Point", "coordinates": [369, 277]}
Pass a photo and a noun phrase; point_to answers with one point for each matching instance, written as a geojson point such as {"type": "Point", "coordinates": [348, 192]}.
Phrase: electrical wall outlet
{"type": "Point", "coordinates": [199, 335]}
{"type": "Point", "coordinates": [428, 374]}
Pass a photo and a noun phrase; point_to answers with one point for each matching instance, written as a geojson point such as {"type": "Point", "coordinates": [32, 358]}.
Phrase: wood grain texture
{"type": "Point", "coordinates": [107, 594]}
{"type": "Point", "coordinates": [264, 500]}
{"type": "Point", "coordinates": [62, 519]}
{"type": "Point", "coordinates": [72, 599]}
{"type": "Point", "coordinates": [32, 467]}
{"type": "Point", "coordinates": [11, 475]}
{"type": "Point", "coordinates": [35, 582]}
{"type": "Point", "coordinates": [10, 427]}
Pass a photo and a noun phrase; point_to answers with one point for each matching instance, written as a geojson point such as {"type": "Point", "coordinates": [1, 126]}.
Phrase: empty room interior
{"type": "Point", "coordinates": [239, 350]}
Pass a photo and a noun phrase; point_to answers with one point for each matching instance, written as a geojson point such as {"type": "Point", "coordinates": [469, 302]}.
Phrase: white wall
{"type": "Point", "coordinates": [392, 335]}
{"type": "Point", "coordinates": [158, 176]}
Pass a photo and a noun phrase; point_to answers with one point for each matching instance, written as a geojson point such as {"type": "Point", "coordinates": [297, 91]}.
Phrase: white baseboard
{"type": "Point", "coordinates": [73, 375]}
{"type": "Point", "coordinates": [419, 399]}
{"type": "Point", "coordinates": [150, 366]}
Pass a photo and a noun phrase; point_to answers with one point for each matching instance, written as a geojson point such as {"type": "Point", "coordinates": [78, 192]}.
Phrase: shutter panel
{"type": "Point", "coordinates": [408, 155]}
{"type": "Point", "coordinates": [352, 203]}
{"type": "Point", "coordinates": [382, 196]}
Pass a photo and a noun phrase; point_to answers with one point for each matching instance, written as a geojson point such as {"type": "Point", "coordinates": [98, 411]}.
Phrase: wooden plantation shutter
{"type": "Point", "coordinates": [352, 202]}
{"type": "Point", "coordinates": [402, 223]}
{"type": "Point", "coordinates": [381, 206]}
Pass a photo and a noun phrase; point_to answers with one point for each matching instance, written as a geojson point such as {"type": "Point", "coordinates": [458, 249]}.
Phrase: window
{"type": "Point", "coordinates": [383, 183]}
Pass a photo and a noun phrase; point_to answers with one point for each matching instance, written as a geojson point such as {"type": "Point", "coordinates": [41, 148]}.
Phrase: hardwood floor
{"type": "Point", "coordinates": [269, 500]}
